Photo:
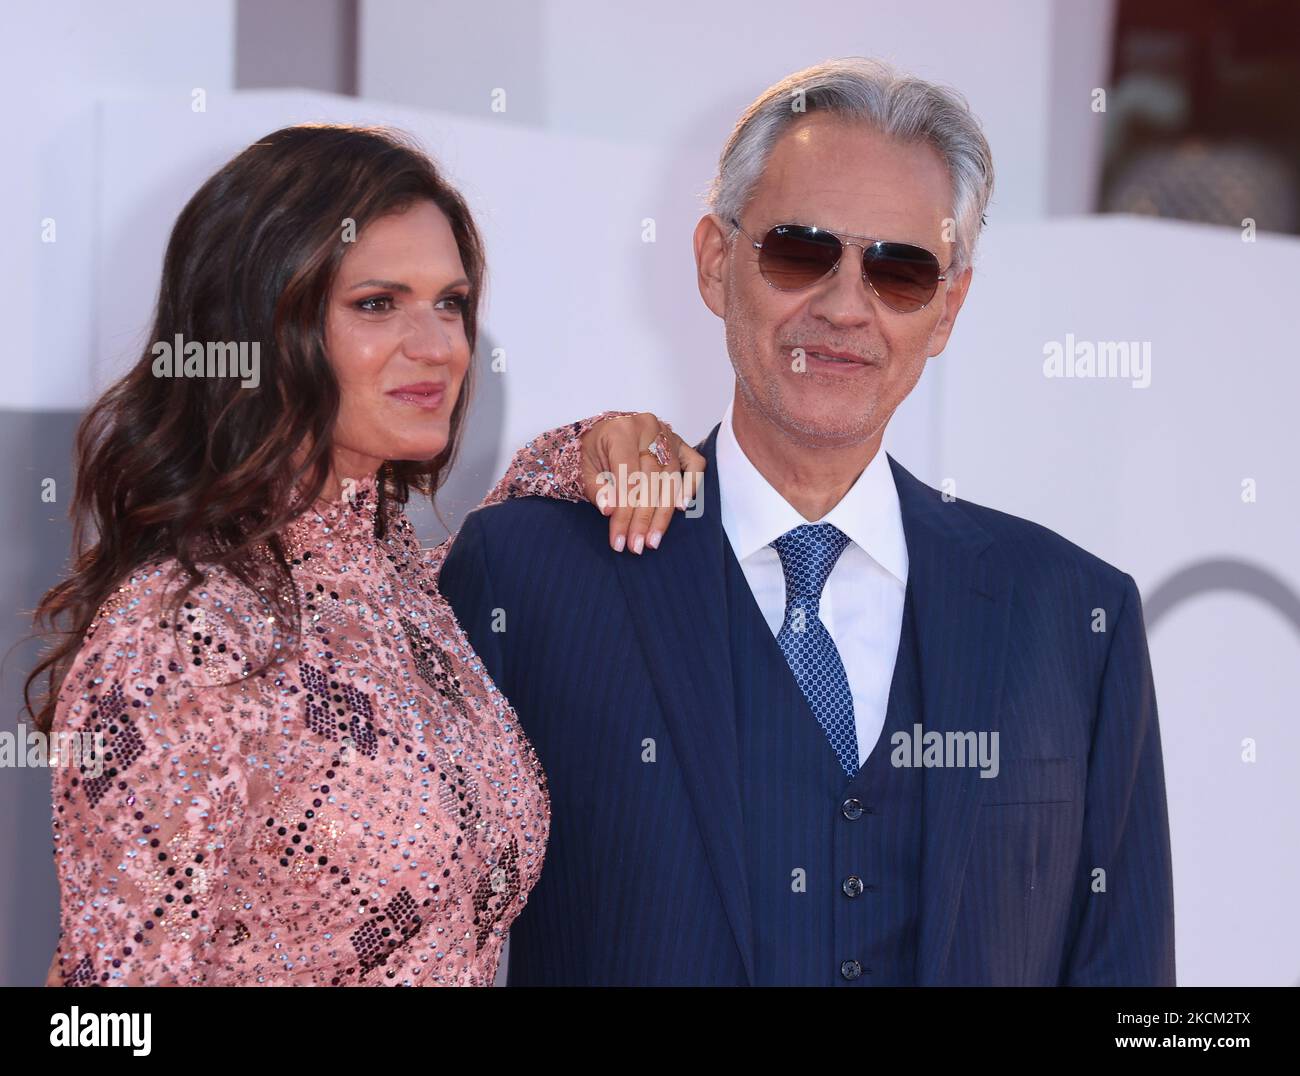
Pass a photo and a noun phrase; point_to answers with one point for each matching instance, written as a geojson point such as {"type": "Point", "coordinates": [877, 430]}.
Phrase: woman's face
{"type": "Point", "coordinates": [395, 338]}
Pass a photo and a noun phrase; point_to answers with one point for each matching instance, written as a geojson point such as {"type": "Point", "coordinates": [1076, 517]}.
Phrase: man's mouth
{"type": "Point", "coordinates": [833, 357]}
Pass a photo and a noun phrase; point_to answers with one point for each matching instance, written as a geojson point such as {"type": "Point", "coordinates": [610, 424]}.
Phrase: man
{"type": "Point", "coordinates": [840, 729]}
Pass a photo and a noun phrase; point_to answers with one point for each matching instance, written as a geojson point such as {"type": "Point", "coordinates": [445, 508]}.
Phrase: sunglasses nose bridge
{"type": "Point", "coordinates": [862, 274]}
{"type": "Point", "coordinates": [862, 255]}
{"type": "Point", "coordinates": [857, 299]}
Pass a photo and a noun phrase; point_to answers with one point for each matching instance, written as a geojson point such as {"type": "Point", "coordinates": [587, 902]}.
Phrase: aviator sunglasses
{"type": "Point", "coordinates": [792, 257]}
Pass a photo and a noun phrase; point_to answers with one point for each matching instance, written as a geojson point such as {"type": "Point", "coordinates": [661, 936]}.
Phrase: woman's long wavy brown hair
{"type": "Point", "coordinates": [200, 468]}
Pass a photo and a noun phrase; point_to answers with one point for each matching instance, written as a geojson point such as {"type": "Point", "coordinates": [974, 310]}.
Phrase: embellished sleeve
{"type": "Point", "coordinates": [149, 791]}
{"type": "Point", "coordinates": [550, 465]}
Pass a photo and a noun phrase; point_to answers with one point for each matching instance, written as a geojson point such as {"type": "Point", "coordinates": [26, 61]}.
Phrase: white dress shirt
{"type": "Point", "coordinates": [862, 603]}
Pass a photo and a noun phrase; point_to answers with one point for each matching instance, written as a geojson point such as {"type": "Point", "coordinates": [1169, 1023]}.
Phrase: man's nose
{"type": "Point", "coordinates": [844, 297]}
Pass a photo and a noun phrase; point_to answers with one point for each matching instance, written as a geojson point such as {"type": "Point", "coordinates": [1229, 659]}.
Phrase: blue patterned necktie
{"type": "Point", "coordinates": [808, 554]}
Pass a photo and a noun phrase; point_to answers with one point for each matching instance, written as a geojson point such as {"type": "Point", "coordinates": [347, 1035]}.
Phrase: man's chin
{"type": "Point", "coordinates": [834, 430]}
{"type": "Point", "coordinates": [826, 414]}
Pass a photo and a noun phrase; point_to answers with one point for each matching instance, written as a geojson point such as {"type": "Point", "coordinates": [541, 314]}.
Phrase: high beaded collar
{"type": "Point", "coordinates": [349, 517]}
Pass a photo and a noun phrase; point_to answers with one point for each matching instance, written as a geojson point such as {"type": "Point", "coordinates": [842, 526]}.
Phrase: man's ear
{"type": "Point", "coordinates": [953, 297]}
{"type": "Point", "coordinates": [711, 250]}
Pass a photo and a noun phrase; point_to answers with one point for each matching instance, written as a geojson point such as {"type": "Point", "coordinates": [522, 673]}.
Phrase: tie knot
{"type": "Point", "coordinates": [808, 553]}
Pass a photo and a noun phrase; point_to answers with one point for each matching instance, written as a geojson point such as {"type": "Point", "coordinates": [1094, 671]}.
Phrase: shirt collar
{"type": "Point", "coordinates": [754, 513]}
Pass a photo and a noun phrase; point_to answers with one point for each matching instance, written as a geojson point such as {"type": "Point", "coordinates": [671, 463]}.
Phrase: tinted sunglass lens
{"type": "Point", "coordinates": [905, 277]}
{"type": "Point", "coordinates": [793, 258]}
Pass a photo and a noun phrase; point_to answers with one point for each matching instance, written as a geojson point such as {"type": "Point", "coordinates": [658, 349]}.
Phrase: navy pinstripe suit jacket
{"type": "Point", "coordinates": [1056, 872]}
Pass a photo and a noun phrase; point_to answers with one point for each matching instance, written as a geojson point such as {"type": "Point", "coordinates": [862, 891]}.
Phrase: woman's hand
{"type": "Point", "coordinates": [637, 471]}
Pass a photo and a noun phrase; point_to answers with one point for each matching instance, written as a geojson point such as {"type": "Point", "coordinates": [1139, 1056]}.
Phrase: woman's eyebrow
{"type": "Point", "coordinates": [394, 285]}
{"type": "Point", "coordinates": [391, 285]}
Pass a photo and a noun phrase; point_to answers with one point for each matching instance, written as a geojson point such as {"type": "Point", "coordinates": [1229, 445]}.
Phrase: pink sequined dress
{"type": "Point", "coordinates": [367, 811]}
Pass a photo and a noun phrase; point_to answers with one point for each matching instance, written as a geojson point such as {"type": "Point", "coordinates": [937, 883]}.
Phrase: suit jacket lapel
{"type": "Point", "coordinates": [677, 599]}
{"type": "Point", "coordinates": [963, 607]}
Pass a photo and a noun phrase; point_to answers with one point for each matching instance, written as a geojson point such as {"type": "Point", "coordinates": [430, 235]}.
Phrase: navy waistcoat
{"type": "Point", "coordinates": [833, 863]}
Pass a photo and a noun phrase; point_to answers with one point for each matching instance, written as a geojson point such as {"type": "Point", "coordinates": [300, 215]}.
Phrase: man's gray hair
{"type": "Point", "coordinates": [890, 101]}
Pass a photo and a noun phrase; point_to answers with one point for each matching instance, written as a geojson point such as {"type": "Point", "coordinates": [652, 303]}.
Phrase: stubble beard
{"type": "Point", "coordinates": [761, 387]}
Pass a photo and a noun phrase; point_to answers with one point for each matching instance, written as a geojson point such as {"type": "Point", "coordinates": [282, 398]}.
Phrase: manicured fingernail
{"type": "Point", "coordinates": [638, 544]}
{"type": "Point", "coordinates": [619, 543]}
{"type": "Point", "coordinates": [654, 539]}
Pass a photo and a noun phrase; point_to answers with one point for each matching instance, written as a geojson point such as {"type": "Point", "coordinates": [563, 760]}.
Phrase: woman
{"type": "Point", "coordinates": [307, 776]}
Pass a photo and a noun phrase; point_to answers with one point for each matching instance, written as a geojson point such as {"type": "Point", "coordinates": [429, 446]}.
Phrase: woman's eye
{"type": "Point", "coordinates": [460, 303]}
{"type": "Point", "coordinates": [368, 306]}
